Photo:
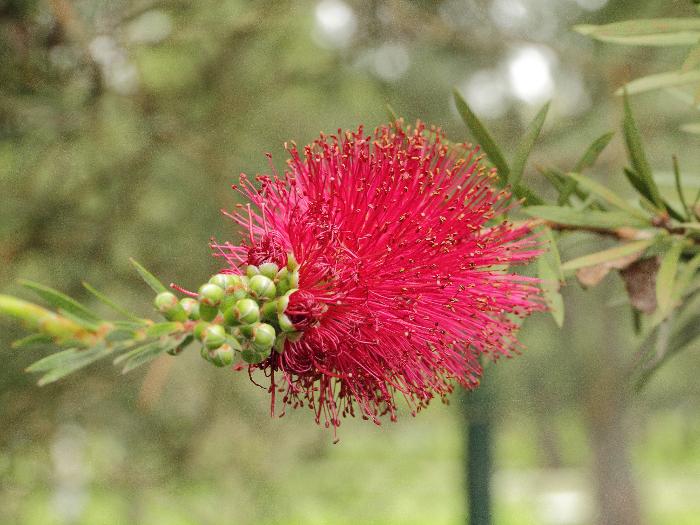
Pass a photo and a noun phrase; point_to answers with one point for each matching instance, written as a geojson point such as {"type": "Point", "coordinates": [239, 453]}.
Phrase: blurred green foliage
{"type": "Point", "coordinates": [122, 125]}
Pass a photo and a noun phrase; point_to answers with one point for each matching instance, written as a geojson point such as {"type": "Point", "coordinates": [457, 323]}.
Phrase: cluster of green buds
{"type": "Point", "coordinates": [239, 313]}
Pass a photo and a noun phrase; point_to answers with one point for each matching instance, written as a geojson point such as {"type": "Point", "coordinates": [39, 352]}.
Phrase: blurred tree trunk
{"type": "Point", "coordinates": [479, 449]}
{"type": "Point", "coordinates": [616, 493]}
{"type": "Point", "coordinates": [606, 413]}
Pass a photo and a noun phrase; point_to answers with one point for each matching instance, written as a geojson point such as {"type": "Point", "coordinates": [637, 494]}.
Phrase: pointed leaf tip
{"type": "Point", "coordinates": [150, 279]}
{"type": "Point", "coordinates": [525, 147]}
{"type": "Point", "coordinates": [637, 156]}
{"type": "Point", "coordinates": [482, 136]}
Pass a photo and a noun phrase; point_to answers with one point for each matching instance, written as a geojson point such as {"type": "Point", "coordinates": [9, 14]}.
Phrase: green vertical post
{"type": "Point", "coordinates": [479, 464]}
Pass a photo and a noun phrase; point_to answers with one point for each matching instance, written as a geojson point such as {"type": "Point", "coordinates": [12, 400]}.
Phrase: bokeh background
{"type": "Point", "coordinates": [123, 124]}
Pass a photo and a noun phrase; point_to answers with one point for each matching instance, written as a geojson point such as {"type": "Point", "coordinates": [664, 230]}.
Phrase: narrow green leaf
{"type": "Point", "coordinates": [120, 335]}
{"type": "Point", "coordinates": [31, 340]}
{"type": "Point", "coordinates": [90, 326]}
{"type": "Point", "coordinates": [637, 156]}
{"type": "Point", "coordinates": [611, 254]}
{"type": "Point", "coordinates": [482, 136]}
{"type": "Point", "coordinates": [593, 152]}
{"type": "Point", "coordinates": [110, 303]}
{"type": "Point", "coordinates": [144, 357]}
{"type": "Point", "coordinates": [161, 329]}
{"type": "Point", "coordinates": [563, 184]}
{"type": "Point", "coordinates": [679, 188]}
{"type": "Point", "coordinates": [146, 347]}
{"type": "Point", "coordinates": [530, 197]}
{"type": "Point", "coordinates": [146, 353]}
{"type": "Point", "coordinates": [550, 274]}
{"type": "Point", "coordinates": [638, 185]}
{"type": "Point", "coordinates": [552, 254]}
{"type": "Point", "coordinates": [55, 360]}
{"type": "Point", "coordinates": [61, 301]}
{"type": "Point", "coordinates": [673, 212]}
{"type": "Point", "coordinates": [693, 128]}
{"type": "Point", "coordinates": [606, 194]}
{"type": "Point", "coordinates": [650, 32]}
{"type": "Point", "coordinates": [525, 147]}
{"type": "Point", "coordinates": [550, 291]}
{"type": "Point", "coordinates": [554, 178]}
{"type": "Point", "coordinates": [685, 277]}
{"type": "Point", "coordinates": [587, 218]}
{"type": "Point", "coordinates": [61, 364]}
{"type": "Point", "coordinates": [659, 81]}
{"type": "Point", "coordinates": [128, 325]}
{"type": "Point", "coordinates": [665, 280]}
{"type": "Point", "coordinates": [150, 279]}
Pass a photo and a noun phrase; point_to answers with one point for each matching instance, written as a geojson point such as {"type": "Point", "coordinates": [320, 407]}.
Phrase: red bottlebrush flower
{"type": "Point", "coordinates": [403, 282]}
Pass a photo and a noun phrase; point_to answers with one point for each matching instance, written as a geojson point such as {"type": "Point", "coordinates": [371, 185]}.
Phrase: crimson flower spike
{"type": "Point", "coordinates": [402, 264]}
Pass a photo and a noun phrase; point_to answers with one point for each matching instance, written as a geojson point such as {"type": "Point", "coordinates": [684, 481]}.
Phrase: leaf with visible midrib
{"type": "Point", "coordinates": [604, 256]}
{"type": "Point", "coordinates": [650, 32]}
{"type": "Point", "coordinates": [61, 364]}
{"type": "Point", "coordinates": [482, 136]}
{"type": "Point", "coordinates": [151, 280]}
{"type": "Point", "coordinates": [525, 147]}
{"type": "Point", "coordinates": [593, 152]}
{"type": "Point", "coordinates": [550, 274]}
{"type": "Point", "coordinates": [637, 156]}
{"type": "Point", "coordinates": [589, 218]}
{"type": "Point", "coordinates": [666, 278]}
{"type": "Point", "coordinates": [148, 352]}
{"type": "Point", "coordinates": [606, 194]}
{"type": "Point", "coordinates": [62, 302]}
{"type": "Point", "coordinates": [659, 81]}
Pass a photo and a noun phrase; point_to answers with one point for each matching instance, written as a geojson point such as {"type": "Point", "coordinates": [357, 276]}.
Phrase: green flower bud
{"type": "Point", "coordinates": [210, 294]}
{"type": "Point", "coordinates": [222, 356]}
{"type": "Point", "coordinates": [247, 311]}
{"type": "Point", "coordinates": [227, 302]}
{"type": "Point", "coordinates": [282, 274]}
{"type": "Point", "coordinates": [264, 336]}
{"type": "Point", "coordinates": [214, 336]}
{"type": "Point", "coordinates": [170, 307]}
{"type": "Point", "coordinates": [283, 286]}
{"type": "Point", "coordinates": [269, 310]}
{"type": "Point", "coordinates": [294, 279]}
{"type": "Point", "coordinates": [199, 328]}
{"type": "Point", "coordinates": [269, 269]}
{"type": "Point", "coordinates": [279, 343]}
{"type": "Point", "coordinates": [262, 287]}
{"type": "Point", "coordinates": [235, 281]}
{"type": "Point", "coordinates": [221, 280]}
{"type": "Point", "coordinates": [231, 316]}
{"type": "Point", "coordinates": [234, 343]}
{"type": "Point", "coordinates": [191, 307]}
{"type": "Point", "coordinates": [251, 270]}
{"type": "Point", "coordinates": [247, 330]}
{"type": "Point", "coordinates": [165, 302]}
{"type": "Point", "coordinates": [238, 294]}
{"type": "Point", "coordinates": [285, 323]}
{"type": "Point", "coordinates": [207, 313]}
{"type": "Point", "coordinates": [283, 302]}
{"type": "Point", "coordinates": [292, 263]}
